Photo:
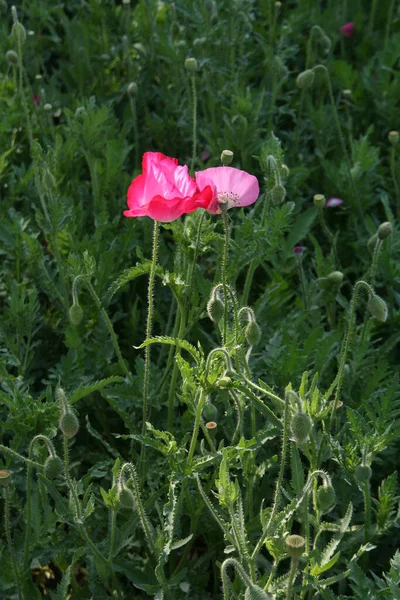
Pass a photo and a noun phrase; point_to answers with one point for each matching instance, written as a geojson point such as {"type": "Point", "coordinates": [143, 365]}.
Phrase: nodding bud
{"type": "Point", "coordinates": [5, 477]}
{"type": "Point", "coordinates": [53, 467]}
{"type": "Point", "coordinates": [255, 592]}
{"type": "Point", "coordinates": [372, 241]}
{"type": "Point", "coordinates": [226, 157]}
{"type": "Point", "coordinates": [385, 230]}
{"type": "Point", "coordinates": [319, 200]}
{"type": "Point", "coordinates": [300, 427]}
{"type": "Point", "coordinates": [285, 170]}
{"type": "Point", "coordinates": [126, 498]}
{"type": "Point", "coordinates": [224, 382]}
{"type": "Point", "coordinates": [210, 412]}
{"type": "Point", "coordinates": [18, 33]}
{"type": "Point", "coordinates": [252, 333]}
{"type": "Point", "coordinates": [278, 194]}
{"type": "Point", "coordinates": [326, 44]}
{"type": "Point", "coordinates": [393, 137]}
{"type": "Point", "coordinates": [377, 307]}
{"type": "Point", "coordinates": [215, 309]}
{"type": "Point", "coordinates": [75, 314]}
{"type": "Point", "coordinates": [305, 79]}
{"type": "Point", "coordinates": [295, 546]}
{"type": "Point", "coordinates": [336, 277]}
{"type": "Point", "coordinates": [363, 473]}
{"type": "Point", "coordinates": [325, 498]}
{"type": "Point", "coordinates": [132, 89]}
{"type": "Point", "coordinates": [12, 57]}
{"type": "Point", "coordinates": [69, 424]}
{"type": "Point", "coordinates": [191, 65]}
{"type": "Point", "coordinates": [47, 107]}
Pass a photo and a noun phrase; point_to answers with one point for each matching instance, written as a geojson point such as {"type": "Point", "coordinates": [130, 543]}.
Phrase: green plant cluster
{"type": "Point", "coordinates": [243, 446]}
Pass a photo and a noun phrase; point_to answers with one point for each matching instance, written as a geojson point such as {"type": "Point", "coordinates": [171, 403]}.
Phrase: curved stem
{"type": "Point", "coordinates": [374, 264]}
{"type": "Point", "coordinates": [9, 541]}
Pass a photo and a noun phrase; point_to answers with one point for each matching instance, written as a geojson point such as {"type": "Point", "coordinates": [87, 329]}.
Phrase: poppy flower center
{"type": "Point", "coordinates": [228, 198]}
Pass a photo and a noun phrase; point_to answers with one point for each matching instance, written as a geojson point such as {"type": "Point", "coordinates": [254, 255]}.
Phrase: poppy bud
{"type": "Point", "coordinates": [326, 498]}
{"type": "Point", "coordinates": [295, 546]}
{"type": "Point", "coordinates": [385, 230]}
{"type": "Point", "coordinates": [18, 33]}
{"type": "Point", "coordinates": [210, 412]}
{"type": "Point", "coordinates": [215, 309]}
{"type": "Point", "coordinates": [300, 427]}
{"type": "Point", "coordinates": [393, 137]}
{"type": "Point", "coordinates": [69, 424]}
{"type": "Point", "coordinates": [191, 65]}
{"type": "Point", "coordinates": [12, 57]}
{"type": "Point", "coordinates": [126, 498]}
{"type": "Point", "coordinates": [372, 241]}
{"type": "Point", "coordinates": [53, 467]}
{"type": "Point", "coordinates": [255, 592]}
{"type": "Point", "coordinates": [75, 314]}
{"type": "Point", "coordinates": [226, 157]}
{"type": "Point", "coordinates": [47, 107]}
{"type": "Point", "coordinates": [305, 79]}
{"type": "Point", "coordinates": [285, 171]}
{"type": "Point", "coordinates": [336, 277]}
{"type": "Point", "coordinates": [363, 473]}
{"type": "Point", "coordinates": [325, 44]}
{"type": "Point", "coordinates": [224, 382]}
{"type": "Point", "coordinates": [48, 179]}
{"type": "Point", "coordinates": [61, 398]}
{"type": "Point", "coordinates": [132, 89]}
{"type": "Point", "coordinates": [319, 200]}
{"type": "Point", "coordinates": [278, 194]}
{"type": "Point", "coordinates": [5, 477]}
{"type": "Point", "coordinates": [377, 307]}
{"type": "Point", "coordinates": [252, 333]}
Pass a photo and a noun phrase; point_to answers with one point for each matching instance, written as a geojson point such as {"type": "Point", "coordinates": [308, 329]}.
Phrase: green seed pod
{"type": "Point", "coordinates": [295, 546]}
{"type": "Point", "coordinates": [363, 473]}
{"type": "Point", "coordinates": [75, 314]}
{"type": "Point", "coordinates": [326, 498]}
{"type": "Point", "coordinates": [210, 412]}
{"type": "Point", "coordinates": [215, 309]}
{"type": "Point", "coordinates": [255, 592]}
{"type": "Point", "coordinates": [69, 424]}
{"type": "Point", "coordinates": [300, 427]}
{"type": "Point", "coordinates": [18, 33]}
{"type": "Point", "coordinates": [132, 89]}
{"type": "Point", "coordinates": [278, 194]}
{"type": "Point", "coordinates": [12, 57]}
{"type": "Point", "coordinates": [252, 333]}
{"type": "Point", "coordinates": [191, 65]}
{"type": "Point", "coordinates": [226, 157]}
{"type": "Point", "coordinates": [377, 307]}
{"type": "Point", "coordinates": [385, 230]}
{"type": "Point", "coordinates": [319, 200]}
{"type": "Point", "coordinates": [126, 498]}
{"type": "Point", "coordinates": [5, 477]}
{"type": "Point", "coordinates": [53, 467]}
{"type": "Point", "coordinates": [305, 79]}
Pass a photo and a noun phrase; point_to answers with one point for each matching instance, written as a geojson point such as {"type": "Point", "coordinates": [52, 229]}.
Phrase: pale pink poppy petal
{"type": "Point", "coordinates": [233, 186]}
{"type": "Point", "coordinates": [333, 202]}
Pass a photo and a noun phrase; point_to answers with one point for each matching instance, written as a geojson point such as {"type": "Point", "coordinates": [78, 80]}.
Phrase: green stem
{"type": "Point", "coordinates": [13, 454]}
{"type": "Point", "coordinates": [132, 104]}
{"type": "Point", "coordinates": [232, 562]}
{"type": "Point", "coordinates": [374, 264]}
{"type": "Point", "coordinates": [199, 410]}
{"type": "Point", "coordinates": [194, 114]}
{"type": "Point", "coordinates": [28, 519]}
{"type": "Point", "coordinates": [271, 576]}
{"type": "Point", "coordinates": [367, 504]}
{"type": "Point", "coordinates": [372, 13]}
{"type": "Point", "coordinates": [68, 478]}
{"type": "Point", "coordinates": [9, 540]}
{"type": "Point", "coordinates": [394, 178]}
{"type": "Point", "coordinates": [328, 234]}
{"type": "Point", "coordinates": [113, 519]}
{"type": "Point", "coordinates": [224, 264]}
{"type": "Point", "coordinates": [302, 281]}
{"type": "Point", "coordinates": [292, 576]}
{"type": "Point", "coordinates": [388, 24]}
{"type": "Point", "coordinates": [139, 504]}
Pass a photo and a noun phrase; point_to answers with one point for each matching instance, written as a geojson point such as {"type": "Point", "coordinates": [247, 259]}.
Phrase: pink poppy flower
{"type": "Point", "coordinates": [36, 99]}
{"type": "Point", "coordinates": [348, 29]}
{"type": "Point", "coordinates": [333, 202]}
{"type": "Point", "coordinates": [165, 191]}
{"type": "Point", "coordinates": [298, 250]}
{"type": "Point", "coordinates": [231, 186]}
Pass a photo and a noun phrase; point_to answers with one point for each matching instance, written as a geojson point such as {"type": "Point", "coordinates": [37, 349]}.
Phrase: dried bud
{"type": "Point", "coordinates": [300, 427]}
{"type": "Point", "coordinates": [75, 314]}
{"type": "Point", "coordinates": [363, 473]}
{"type": "Point", "coordinates": [5, 477]}
{"type": "Point", "coordinates": [319, 200]}
{"type": "Point", "coordinates": [69, 424]}
{"type": "Point", "coordinates": [295, 546]}
{"type": "Point", "coordinates": [336, 277]}
{"type": "Point", "coordinates": [12, 57]}
{"type": "Point", "coordinates": [53, 467]}
{"type": "Point", "coordinates": [132, 89]}
{"type": "Point", "coordinates": [326, 498]}
{"type": "Point", "coordinates": [191, 65]}
{"type": "Point", "coordinates": [377, 307]}
{"type": "Point", "coordinates": [252, 333]}
{"type": "Point", "coordinates": [393, 137]}
{"type": "Point", "coordinates": [385, 230]}
{"type": "Point", "coordinates": [226, 157]}
{"type": "Point", "coordinates": [278, 194]}
{"type": "Point", "coordinates": [305, 79]}
{"type": "Point", "coordinates": [215, 309]}
{"type": "Point", "coordinates": [210, 412]}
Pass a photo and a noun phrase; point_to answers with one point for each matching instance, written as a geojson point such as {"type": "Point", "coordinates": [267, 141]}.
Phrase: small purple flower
{"type": "Point", "coordinates": [333, 202]}
{"type": "Point", "coordinates": [205, 155]}
{"type": "Point", "coordinates": [298, 250]}
{"type": "Point", "coordinates": [348, 29]}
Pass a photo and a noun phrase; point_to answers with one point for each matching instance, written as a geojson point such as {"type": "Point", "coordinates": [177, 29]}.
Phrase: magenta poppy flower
{"type": "Point", "coordinates": [36, 99]}
{"type": "Point", "coordinates": [231, 186]}
{"type": "Point", "coordinates": [298, 250]}
{"type": "Point", "coordinates": [333, 202]}
{"type": "Point", "coordinates": [348, 29]}
{"type": "Point", "coordinates": [165, 191]}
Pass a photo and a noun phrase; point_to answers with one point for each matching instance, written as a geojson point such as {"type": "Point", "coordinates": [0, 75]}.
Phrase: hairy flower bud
{"type": "Point", "coordinates": [336, 277]}
{"type": "Point", "coordinates": [319, 200]}
{"type": "Point", "coordinates": [385, 230]}
{"type": "Point", "coordinates": [75, 314]}
{"type": "Point", "coordinates": [210, 412]}
{"type": "Point", "coordinates": [49, 181]}
{"type": "Point", "coordinates": [226, 157]}
{"type": "Point", "coordinates": [255, 592]}
{"type": "Point", "coordinates": [363, 473]}
{"type": "Point", "coordinates": [12, 57]}
{"type": "Point", "coordinates": [224, 382]}
{"type": "Point", "coordinates": [53, 467]}
{"type": "Point", "coordinates": [278, 194]}
{"type": "Point", "coordinates": [48, 107]}
{"type": "Point", "coordinates": [69, 424]}
{"type": "Point", "coordinates": [126, 498]}
{"type": "Point", "coordinates": [132, 89]}
{"type": "Point", "coordinates": [377, 307]}
{"type": "Point", "coordinates": [252, 333]}
{"type": "Point", "coordinates": [295, 546]}
{"type": "Point", "coordinates": [5, 477]}
{"type": "Point", "coordinates": [215, 309]}
{"type": "Point", "coordinates": [372, 241]}
{"type": "Point", "coordinates": [300, 427]}
{"type": "Point", "coordinates": [305, 79]}
{"type": "Point", "coordinates": [325, 498]}
{"type": "Point", "coordinates": [191, 65]}
{"type": "Point", "coordinates": [18, 33]}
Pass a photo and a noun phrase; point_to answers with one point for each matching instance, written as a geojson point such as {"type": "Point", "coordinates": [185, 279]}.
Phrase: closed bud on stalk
{"type": "Point", "coordinates": [226, 157]}
{"type": "Point", "coordinates": [252, 333]}
{"type": "Point", "coordinates": [132, 89]}
{"type": "Point", "coordinates": [61, 398]}
{"type": "Point", "coordinates": [325, 498]}
{"type": "Point", "coordinates": [319, 200]}
{"type": "Point", "coordinates": [18, 33]}
{"type": "Point", "coordinates": [336, 277]}
{"type": "Point", "coordinates": [325, 44]}
{"type": "Point", "coordinates": [215, 309]}
{"type": "Point", "coordinates": [53, 467]}
{"type": "Point", "coordinates": [12, 57]}
{"type": "Point", "coordinates": [305, 79]}
{"type": "Point", "coordinates": [69, 424]}
{"type": "Point", "coordinates": [5, 477]}
{"type": "Point", "coordinates": [363, 473]}
{"type": "Point", "coordinates": [47, 107]}
{"type": "Point", "coordinates": [300, 427]}
{"type": "Point", "coordinates": [49, 181]}
{"type": "Point", "coordinates": [385, 230]}
{"type": "Point", "coordinates": [210, 412]}
{"type": "Point", "coordinates": [3, 6]}
{"type": "Point", "coordinates": [255, 592]}
{"type": "Point", "coordinates": [126, 498]}
{"type": "Point", "coordinates": [393, 137]}
{"type": "Point", "coordinates": [372, 241]}
{"type": "Point", "coordinates": [191, 65]}
{"type": "Point", "coordinates": [278, 194]}
{"type": "Point", "coordinates": [295, 546]}
{"type": "Point", "coordinates": [377, 307]}
{"type": "Point", "coordinates": [224, 382]}
{"type": "Point", "coordinates": [75, 314]}
{"type": "Point", "coordinates": [285, 170]}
